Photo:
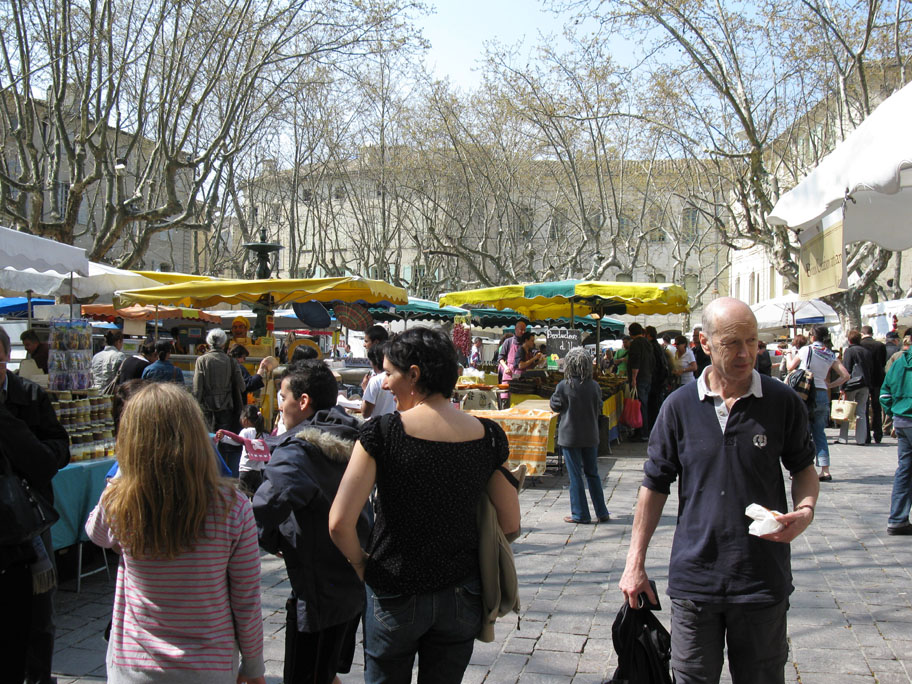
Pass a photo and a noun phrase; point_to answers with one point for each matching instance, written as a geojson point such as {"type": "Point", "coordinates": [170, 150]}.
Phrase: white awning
{"type": "Point", "coordinates": [20, 250]}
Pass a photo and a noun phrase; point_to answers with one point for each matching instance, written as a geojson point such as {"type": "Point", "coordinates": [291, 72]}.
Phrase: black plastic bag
{"type": "Point", "coordinates": [643, 647]}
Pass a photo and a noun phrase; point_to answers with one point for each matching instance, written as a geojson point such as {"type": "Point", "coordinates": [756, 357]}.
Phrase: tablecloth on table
{"type": "Point", "coordinates": [527, 432]}
{"type": "Point", "coordinates": [77, 489]}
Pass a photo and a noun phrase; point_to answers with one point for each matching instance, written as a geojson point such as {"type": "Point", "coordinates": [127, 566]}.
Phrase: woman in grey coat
{"type": "Point", "coordinates": [578, 400]}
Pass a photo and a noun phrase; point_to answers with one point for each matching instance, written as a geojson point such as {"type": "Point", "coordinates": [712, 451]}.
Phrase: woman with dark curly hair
{"type": "Point", "coordinates": [431, 464]}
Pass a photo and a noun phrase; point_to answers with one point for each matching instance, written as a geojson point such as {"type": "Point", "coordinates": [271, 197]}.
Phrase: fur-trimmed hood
{"type": "Point", "coordinates": [331, 430]}
{"type": "Point", "coordinates": [334, 447]}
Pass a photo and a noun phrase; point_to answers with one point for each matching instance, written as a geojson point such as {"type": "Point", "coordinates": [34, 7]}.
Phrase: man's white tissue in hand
{"type": "Point", "coordinates": [764, 522]}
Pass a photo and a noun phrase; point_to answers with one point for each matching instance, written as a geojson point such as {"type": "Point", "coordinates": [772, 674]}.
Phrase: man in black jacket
{"type": "Point", "coordinates": [660, 374]}
{"type": "Point", "coordinates": [640, 366]}
{"type": "Point", "coordinates": [132, 368]}
{"type": "Point", "coordinates": [292, 512]}
{"type": "Point", "coordinates": [36, 446]}
{"type": "Point", "coordinates": [879, 357]}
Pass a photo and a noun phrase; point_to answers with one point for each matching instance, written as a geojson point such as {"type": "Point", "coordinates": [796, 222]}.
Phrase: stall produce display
{"type": "Point", "coordinates": [89, 422]}
{"type": "Point", "coordinates": [70, 357]}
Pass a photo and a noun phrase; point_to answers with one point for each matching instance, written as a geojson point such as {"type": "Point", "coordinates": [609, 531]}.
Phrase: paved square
{"type": "Point", "coordinates": [850, 618]}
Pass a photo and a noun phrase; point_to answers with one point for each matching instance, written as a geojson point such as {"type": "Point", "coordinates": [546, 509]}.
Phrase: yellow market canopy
{"type": "Point", "coordinates": [200, 294]}
{"type": "Point", "coordinates": [552, 300]}
{"type": "Point", "coordinates": [172, 277]}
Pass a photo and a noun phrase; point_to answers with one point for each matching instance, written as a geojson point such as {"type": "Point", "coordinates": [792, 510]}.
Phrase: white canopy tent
{"type": "Point", "coordinates": [866, 180]}
{"type": "Point", "coordinates": [99, 284]}
{"type": "Point", "coordinates": [880, 315]}
{"type": "Point", "coordinates": [790, 311]}
{"type": "Point", "coordinates": [21, 250]}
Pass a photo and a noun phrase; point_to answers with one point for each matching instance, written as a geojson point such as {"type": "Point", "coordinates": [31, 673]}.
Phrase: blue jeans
{"type": "Point", "coordinates": [901, 500]}
{"type": "Point", "coordinates": [583, 462]}
{"type": "Point", "coordinates": [439, 627]}
{"type": "Point", "coordinates": [819, 421]}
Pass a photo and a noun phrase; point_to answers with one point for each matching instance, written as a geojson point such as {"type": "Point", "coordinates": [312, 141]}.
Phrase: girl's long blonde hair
{"type": "Point", "coordinates": [169, 478]}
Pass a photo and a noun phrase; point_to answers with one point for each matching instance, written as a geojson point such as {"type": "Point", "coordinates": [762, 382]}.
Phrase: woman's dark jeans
{"type": "Point", "coordinates": [439, 627]}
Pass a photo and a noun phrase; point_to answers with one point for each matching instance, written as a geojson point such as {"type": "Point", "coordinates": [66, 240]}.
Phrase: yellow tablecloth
{"type": "Point", "coordinates": [528, 432]}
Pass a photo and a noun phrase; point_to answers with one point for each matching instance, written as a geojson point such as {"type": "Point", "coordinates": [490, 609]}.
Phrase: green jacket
{"type": "Point", "coordinates": [896, 391]}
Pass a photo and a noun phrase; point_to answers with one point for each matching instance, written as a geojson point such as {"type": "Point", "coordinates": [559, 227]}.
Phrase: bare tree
{"type": "Point", "coordinates": [737, 77]}
{"type": "Point", "coordinates": [150, 105]}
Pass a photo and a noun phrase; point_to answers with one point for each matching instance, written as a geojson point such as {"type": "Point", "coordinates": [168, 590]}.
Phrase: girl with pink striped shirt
{"type": "Point", "coordinates": [188, 587]}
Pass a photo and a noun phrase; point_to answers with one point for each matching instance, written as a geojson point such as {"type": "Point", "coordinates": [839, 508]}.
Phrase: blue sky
{"type": "Point", "coordinates": [458, 30]}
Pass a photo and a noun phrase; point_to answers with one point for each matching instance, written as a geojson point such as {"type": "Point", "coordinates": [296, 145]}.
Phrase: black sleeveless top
{"type": "Point", "coordinates": [425, 536]}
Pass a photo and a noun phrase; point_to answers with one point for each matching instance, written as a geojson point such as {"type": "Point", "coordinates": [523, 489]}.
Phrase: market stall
{"type": "Point", "coordinates": [570, 300]}
{"type": "Point", "coordinates": [883, 317]}
{"type": "Point", "coordinates": [792, 311]}
{"type": "Point", "coordinates": [341, 292]}
{"type": "Point", "coordinates": [417, 310]}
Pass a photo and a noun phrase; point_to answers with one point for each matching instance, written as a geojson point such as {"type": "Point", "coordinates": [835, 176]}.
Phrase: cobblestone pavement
{"type": "Point", "coordinates": [850, 617]}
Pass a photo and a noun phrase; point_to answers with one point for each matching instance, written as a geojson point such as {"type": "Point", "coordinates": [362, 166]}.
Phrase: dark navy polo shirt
{"type": "Point", "coordinates": [713, 558]}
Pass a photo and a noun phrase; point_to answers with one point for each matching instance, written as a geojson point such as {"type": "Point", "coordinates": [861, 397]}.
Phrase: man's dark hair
{"type": "Point", "coordinates": [376, 333]}
{"type": "Point", "coordinates": [315, 379]}
{"type": "Point", "coordinates": [303, 352]}
{"type": "Point", "coordinates": [651, 331]}
{"type": "Point", "coordinates": [29, 336]}
{"type": "Point", "coordinates": [666, 338]}
{"type": "Point", "coordinates": [5, 341]}
{"type": "Point", "coordinates": [164, 348]}
{"type": "Point", "coordinates": [867, 330]}
{"type": "Point", "coordinates": [112, 337]}
{"type": "Point", "coordinates": [147, 348]}
{"type": "Point", "coordinates": [635, 329]}
{"type": "Point", "coordinates": [525, 336]}
{"type": "Point", "coordinates": [820, 333]}
{"type": "Point", "coordinates": [434, 354]}
{"type": "Point", "coordinates": [238, 351]}
{"type": "Point", "coordinates": [376, 354]}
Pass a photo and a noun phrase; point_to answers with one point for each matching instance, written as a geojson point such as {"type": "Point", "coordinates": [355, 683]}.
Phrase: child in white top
{"type": "Point", "coordinates": [250, 473]}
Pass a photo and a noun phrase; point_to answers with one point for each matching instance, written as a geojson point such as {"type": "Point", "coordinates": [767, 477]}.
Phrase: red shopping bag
{"type": "Point", "coordinates": [632, 416]}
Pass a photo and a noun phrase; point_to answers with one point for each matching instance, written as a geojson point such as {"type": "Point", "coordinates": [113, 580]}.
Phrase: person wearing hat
{"type": "Point", "coordinates": [240, 332]}
{"type": "Point", "coordinates": [892, 343]}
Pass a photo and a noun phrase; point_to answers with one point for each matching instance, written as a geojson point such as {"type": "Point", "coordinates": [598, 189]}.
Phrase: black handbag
{"type": "Point", "coordinates": [856, 382]}
{"type": "Point", "coordinates": [24, 513]}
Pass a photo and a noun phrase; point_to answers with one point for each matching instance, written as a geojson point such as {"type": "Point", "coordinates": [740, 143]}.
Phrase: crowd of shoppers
{"type": "Point", "coordinates": [338, 499]}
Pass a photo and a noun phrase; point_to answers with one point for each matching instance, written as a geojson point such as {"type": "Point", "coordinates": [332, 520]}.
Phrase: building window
{"type": "Point", "coordinates": [625, 226]}
{"type": "Point", "coordinates": [556, 228]}
{"type": "Point", "coordinates": [691, 283]}
{"type": "Point", "coordinates": [690, 219]}
{"type": "Point", "coordinates": [657, 278]}
{"type": "Point", "coordinates": [524, 217]}
{"type": "Point", "coordinates": [338, 192]}
{"type": "Point", "coordinates": [656, 235]}
{"type": "Point", "coordinates": [623, 278]}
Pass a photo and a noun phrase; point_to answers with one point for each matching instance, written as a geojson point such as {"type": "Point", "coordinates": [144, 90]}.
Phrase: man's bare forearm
{"type": "Point", "coordinates": [648, 513]}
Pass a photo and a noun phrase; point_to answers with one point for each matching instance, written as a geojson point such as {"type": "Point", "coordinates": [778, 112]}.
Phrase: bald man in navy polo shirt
{"type": "Point", "coordinates": [725, 439]}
